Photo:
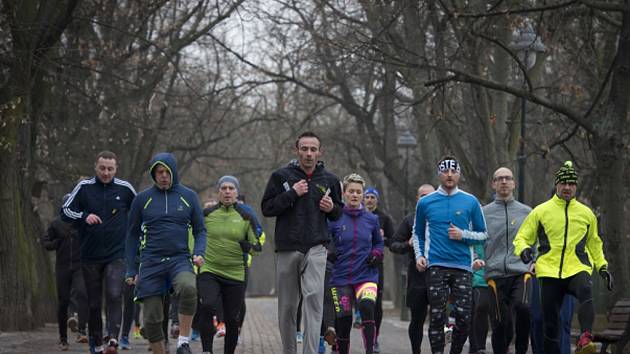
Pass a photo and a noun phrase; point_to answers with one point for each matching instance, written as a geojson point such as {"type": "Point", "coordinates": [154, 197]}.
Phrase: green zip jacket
{"type": "Point", "coordinates": [226, 226]}
{"type": "Point", "coordinates": [568, 242]}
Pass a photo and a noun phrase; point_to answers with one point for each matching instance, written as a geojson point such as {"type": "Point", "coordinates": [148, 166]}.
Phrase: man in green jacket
{"type": "Point", "coordinates": [569, 247]}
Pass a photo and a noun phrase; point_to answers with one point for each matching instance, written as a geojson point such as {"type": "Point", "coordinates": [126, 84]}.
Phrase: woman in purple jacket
{"type": "Point", "coordinates": [358, 248]}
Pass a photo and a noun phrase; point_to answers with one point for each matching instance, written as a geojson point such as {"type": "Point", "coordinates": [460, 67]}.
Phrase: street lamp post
{"type": "Point", "coordinates": [407, 141]}
{"type": "Point", "coordinates": [526, 41]}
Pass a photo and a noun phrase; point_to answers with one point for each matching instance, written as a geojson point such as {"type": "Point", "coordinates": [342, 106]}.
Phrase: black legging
{"type": "Point", "coordinates": [482, 299]}
{"type": "Point", "coordinates": [214, 290]}
{"type": "Point", "coordinates": [131, 310]}
{"type": "Point", "coordinates": [112, 274]}
{"type": "Point", "coordinates": [344, 326]}
{"type": "Point", "coordinates": [418, 303]}
{"type": "Point", "coordinates": [552, 292]}
{"type": "Point", "coordinates": [511, 302]}
{"type": "Point", "coordinates": [70, 284]}
{"type": "Point", "coordinates": [378, 308]}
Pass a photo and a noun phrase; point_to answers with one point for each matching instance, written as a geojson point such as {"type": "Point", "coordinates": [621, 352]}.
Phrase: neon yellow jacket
{"type": "Point", "coordinates": [568, 242]}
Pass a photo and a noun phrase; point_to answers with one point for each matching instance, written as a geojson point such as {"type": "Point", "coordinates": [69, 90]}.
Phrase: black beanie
{"type": "Point", "coordinates": [566, 174]}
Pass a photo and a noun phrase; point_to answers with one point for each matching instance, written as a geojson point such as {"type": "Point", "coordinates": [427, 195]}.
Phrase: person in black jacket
{"type": "Point", "coordinates": [98, 207]}
{"type": "Point", "coordinates": [387, 232]}
{"type": "Point", "coordinates": [302, 196]}
{"type": "Point", "coordinates": [63, 238]}
{"type": "Point", "coordinates": [417, 295]}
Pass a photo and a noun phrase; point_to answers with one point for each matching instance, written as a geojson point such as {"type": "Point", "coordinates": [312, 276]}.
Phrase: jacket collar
{"type": "Point", "coordinates": [444, 192]}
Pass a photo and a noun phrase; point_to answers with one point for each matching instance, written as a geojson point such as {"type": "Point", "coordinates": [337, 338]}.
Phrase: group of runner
{"type": "Point", "coordinates": [329, 242]}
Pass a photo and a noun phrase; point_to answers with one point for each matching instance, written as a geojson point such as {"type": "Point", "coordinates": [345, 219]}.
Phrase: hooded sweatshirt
{"type": "Point", "coordinates": [159, 220]}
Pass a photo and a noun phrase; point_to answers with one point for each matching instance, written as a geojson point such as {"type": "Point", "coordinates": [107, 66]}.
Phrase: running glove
{"type": "Point", "coordinates": [527, 255]}
{"type": "Point", "coordinates": [610, 283]}
{"type": "Point", "coordinates": [375, 257]}
{"type": "Point", "coordinates": [245, 246]}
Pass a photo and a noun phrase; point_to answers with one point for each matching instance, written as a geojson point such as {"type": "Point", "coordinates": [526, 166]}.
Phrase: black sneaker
{"type": "Point", "coordinates": [184, 349]}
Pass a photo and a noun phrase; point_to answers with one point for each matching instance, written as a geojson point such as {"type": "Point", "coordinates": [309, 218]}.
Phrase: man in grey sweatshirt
{"type": "Point", "coordinates": [507, 276]}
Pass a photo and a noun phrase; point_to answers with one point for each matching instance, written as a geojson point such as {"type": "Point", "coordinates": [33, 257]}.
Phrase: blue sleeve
{"type": "Point", "coordinates": [252, 214]}
{"type": "Point", "coordinates": [419, 232]}
{"type": "Point", "coordinates": [134, 233]}
{"type": "Point", "coordinates": [478, 233]}
{"type": "Point", "coordinates": [198, 227]}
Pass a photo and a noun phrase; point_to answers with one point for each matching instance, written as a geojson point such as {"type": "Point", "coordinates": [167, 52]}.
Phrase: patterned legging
{"type": "Point", "coordinates": [459, 283]}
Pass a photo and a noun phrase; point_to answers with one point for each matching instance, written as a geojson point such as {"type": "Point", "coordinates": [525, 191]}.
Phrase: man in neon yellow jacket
{"type": "Point", "coordinates": [569, 248]}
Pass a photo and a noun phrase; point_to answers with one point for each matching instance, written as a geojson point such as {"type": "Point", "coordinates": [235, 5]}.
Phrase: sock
{"type": "Point", "coordinates": [182, 340]}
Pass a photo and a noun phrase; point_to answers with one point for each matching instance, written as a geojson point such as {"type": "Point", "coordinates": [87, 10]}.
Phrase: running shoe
{"type": "Point", "coordinates": [322, 345]}
{"type": "Point", "coordinates": [111, 346]}
{"type": "Point", "coordinates": [299, 337]}
{"type": "Point", "coordinates": [220, 329]}
{"type": "Point", "coordinates": [174, 331]}
{"type": "Point", "coordinates": [82, 338]}
{"type": "Point", "coordinates": [63, 345]}
{"type": "Point", "coordinates": [585, 344]}
{"type": "Point", "coordinates": [73, 324]}
{"type": "Point", "coordinates": [136, 333]}
{"type": "Point", "coordinates": [184, 349]}
{"type": "Point", "coordinates": [124, 343]}
{"type": "Point", "coordinates": [357, 320]}
{"type": "Point", "coordinates": [330, 335]}
{"type": "Point", "coordinates": [376, 349]}
{"type": "Point", "coordinates": [448, 334]}
{"type": "Point", "coordinates": [195, 335]}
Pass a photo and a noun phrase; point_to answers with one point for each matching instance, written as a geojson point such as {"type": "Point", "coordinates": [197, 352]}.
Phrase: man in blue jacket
{"type": "Point", "coordinates": [302, 195]}
{"type": "Point", "coordinates": [98, 207]}
{"type": "Point", "coordinates": [159, 221]}
{"type": "Point", "coordinates": [448, 222]}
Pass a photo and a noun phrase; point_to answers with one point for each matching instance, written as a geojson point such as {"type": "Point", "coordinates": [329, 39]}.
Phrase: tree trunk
{"type": "Point", "coordinates": [28, 294]}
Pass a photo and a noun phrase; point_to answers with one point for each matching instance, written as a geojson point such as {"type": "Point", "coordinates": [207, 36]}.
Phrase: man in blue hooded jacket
{"type": "Point", "coordinates": [159, 221]}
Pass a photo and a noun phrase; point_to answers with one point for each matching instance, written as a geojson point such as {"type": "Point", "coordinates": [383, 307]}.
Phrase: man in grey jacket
{"type": "Point", "coordinates": [507, 276]}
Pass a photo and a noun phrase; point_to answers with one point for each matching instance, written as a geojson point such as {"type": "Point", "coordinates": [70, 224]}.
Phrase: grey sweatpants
{"type": "Point", "coordinates": [295, 272]}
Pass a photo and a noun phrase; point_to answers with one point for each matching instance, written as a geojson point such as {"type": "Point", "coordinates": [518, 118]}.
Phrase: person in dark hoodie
{"type": "Point", "coordinates": [159, 221]}
{"type": "Point", "coordinates": [63, 238]}
{"type": "Point", "coordinates": [98, 206]}
{"type": "Point", "coordinates": [302, 196]}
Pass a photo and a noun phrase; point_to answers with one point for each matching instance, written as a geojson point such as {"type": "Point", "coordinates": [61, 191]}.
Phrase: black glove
{"type": "Point", "coordinates": [527, 256]}
{"type": "Point", "coordinates": [375, 258]}
{"type": "Point", "coordinates": [245, 246]}
{"type": "Point", "coordinates": [610, 283]}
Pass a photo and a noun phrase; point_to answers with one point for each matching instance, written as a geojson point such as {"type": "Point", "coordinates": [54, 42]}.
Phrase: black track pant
{"type": "Point", "coordinates": [459, 282]}
{"type": "Point", "coordinates": [418, 303]}
{"type": "Point", "coordinates": [378, 308]}
{"type": "Point", "coordinates": [70, 285]}
{"type": "Point", "coordinates": [511, 301]}
{"type": "Point", "coordinates": [482, 303]}
{"type": "Point", "coordinates": [112, 275]}
{"type": "Point", "coordinates": [552, 292]}
{"type": "Point", "coordinates": [131, 310]}
{"type": "Point", "coordinates": [214, 291]}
